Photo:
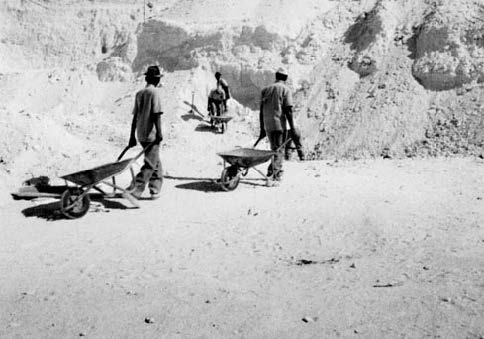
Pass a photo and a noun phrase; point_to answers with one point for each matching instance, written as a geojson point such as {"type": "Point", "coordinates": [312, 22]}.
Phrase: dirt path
{"type": "Point", "coordinates": [376, 249]}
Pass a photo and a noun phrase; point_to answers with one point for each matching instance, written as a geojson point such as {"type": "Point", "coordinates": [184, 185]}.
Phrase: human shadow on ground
{"type": "Point", "coordinates": [205, 128]}
{"type": "Point", "coordinates": [51, 211]}
{"type": "Point", "coordinates": [172, 177]}
{"type": "Point", "coordinates": [203, 186]}
{"type": "Point", "coordinates": [197, 184]}
{"type": "Point", "coordinates": [191, 116]}
{"type": "Point", "coordinates": [210, 184]}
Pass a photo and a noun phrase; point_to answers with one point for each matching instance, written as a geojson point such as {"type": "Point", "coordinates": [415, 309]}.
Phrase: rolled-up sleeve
{"type": "Point", "coordinates": [287, 99]}
{"type": "Point", "coordinates": [135, 106]}
{"type": "Point", "coordinates": [156, 103]}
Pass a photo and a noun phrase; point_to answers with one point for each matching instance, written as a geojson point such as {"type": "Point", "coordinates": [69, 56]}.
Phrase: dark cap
{"type": "Point", "coordinates": [153, 71]}
{"type": "Point", "coordinates": [217, 74]}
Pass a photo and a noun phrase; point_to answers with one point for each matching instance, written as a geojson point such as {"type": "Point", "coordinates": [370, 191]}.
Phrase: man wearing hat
{"type": "Point", "coordinates": [275, 109]}
{"type": "Point", "coordinates": [146, 127]}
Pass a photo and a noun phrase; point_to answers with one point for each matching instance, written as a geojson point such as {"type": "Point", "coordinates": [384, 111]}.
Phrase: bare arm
{"type": "Point", "coordinates": [132, 135]}
{"type": "Point", "coordinates": [287, 109]}
{"type": "Point", "coordinates": [261, 122]}
{"type": "Point", "coordinates": [157, 111]}
{"type": "Point", "coordinates": [133, 126]}
{"type": "Point", "coordinates": [289, 116]}
{"type": "Point", "coordinates": [157, 123]}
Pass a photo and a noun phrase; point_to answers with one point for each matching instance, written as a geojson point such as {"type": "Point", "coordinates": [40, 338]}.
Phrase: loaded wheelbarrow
{"type": "Point", "coordinates": [240, 160]}
{"type": "Point", "coordinates": [75, 200]}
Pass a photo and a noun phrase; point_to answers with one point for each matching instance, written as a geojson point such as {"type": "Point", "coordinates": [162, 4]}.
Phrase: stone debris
{"type": "Point", "coordinates": [309, 319]}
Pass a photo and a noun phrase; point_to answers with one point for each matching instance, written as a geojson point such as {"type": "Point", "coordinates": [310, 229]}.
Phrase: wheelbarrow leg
{"type": "Point", "coordinates": [116, 187]}
{"type": "Point", "coordinates": [128, 196]}
{"type": "Point", "coordinates": [269, 181]}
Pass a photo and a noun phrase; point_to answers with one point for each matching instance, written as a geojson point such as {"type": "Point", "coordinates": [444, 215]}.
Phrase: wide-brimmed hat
{"type": "Point", "coordinates": [153, 71]}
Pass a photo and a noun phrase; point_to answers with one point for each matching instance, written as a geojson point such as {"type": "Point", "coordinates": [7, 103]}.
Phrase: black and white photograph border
{"type": "Point", "coordinates": [242, 169]}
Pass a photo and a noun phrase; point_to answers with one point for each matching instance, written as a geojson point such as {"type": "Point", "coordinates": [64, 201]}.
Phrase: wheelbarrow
{"type": "Point", "coordinates": [220, 122]}
{"type": "Point", "coordinates": [240, 160]}
{"type": "Point", "coordinates": [75, 201]}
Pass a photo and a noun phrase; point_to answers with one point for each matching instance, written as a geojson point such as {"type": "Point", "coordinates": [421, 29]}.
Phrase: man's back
{"type": "Point", "coordinates": [217, 94]}
{"type": "Point", "coordinates": [148, 102]}
{"type": "Point", "coordinates": [225, 86]}
{"type": "Point", "coordinates": [273, 100]}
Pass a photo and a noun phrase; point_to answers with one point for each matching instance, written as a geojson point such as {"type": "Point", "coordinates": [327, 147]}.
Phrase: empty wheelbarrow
{"type": "Point", "coordinates": [75, 200]}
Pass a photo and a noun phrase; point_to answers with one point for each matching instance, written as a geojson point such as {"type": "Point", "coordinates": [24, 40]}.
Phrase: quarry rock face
{"type": "Point", "coordinates": [114, 69]}
{"type": "Point", "coordinates": [370, 77]}
{"type": "Point", "coordinates": [450, 46]}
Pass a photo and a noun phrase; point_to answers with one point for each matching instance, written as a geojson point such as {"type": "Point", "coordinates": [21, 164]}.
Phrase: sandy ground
{"type": "Point", "coordinates": [370, 249]}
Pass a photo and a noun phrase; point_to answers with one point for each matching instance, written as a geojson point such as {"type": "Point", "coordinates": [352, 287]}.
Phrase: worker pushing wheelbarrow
{"type": "Point", "coordinates": [240, 160]}
{"type": "Point", "coordinates": [217, 110]}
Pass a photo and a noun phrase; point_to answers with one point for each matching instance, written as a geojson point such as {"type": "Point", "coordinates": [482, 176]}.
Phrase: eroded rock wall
{"type": "Point", "coordinates": [450, 45]}
{"type": "Point", "coordinates": [370, 76]}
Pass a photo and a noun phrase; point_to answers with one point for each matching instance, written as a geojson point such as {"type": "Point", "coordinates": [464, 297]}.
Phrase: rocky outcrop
{"type": "Point", "coordinates": [114, 69]}
{"type": "Point", "coordinates": [370, 36]}
{"type": "Point", "coordinates": [450, 46]}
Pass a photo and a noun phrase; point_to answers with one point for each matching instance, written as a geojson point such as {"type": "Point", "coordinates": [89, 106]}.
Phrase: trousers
{"type": "Point", "coordinates": [276, 139]}
{"type": "Point", "coordinates": [151, 172]}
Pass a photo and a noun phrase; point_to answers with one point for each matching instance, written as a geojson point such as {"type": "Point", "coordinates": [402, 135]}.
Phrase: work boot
{"type": "Point", "coordinates": [278, 176]}
{"type": "Point", "coordinates": [269, 171]}
{"type": "Point", "coordinates": [136, 194]}
{"type": "Point", "coordinates": [131, 189]}
{"type": "Point", "coordinates": [155, 196]}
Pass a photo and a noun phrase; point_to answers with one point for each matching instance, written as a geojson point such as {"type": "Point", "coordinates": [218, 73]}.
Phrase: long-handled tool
{"type": "Point", "coordinates": [191, 107]}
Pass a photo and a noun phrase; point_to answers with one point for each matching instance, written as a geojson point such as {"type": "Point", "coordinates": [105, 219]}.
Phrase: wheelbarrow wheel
{"type": "Point", "coordinates": [230, 178]}
{"type": "Point", "coordinates": [72, 207]}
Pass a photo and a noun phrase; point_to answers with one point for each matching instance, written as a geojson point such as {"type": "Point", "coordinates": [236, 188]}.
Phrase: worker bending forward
{"type": "Point", "coordinates": [146, 126]}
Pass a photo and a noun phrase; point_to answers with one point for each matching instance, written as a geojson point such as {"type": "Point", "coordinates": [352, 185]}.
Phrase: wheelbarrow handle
{"type": "Point", "coordinates": [131, 162]}
{"type": "Point", "coordinates": [257, 142]}
{"type": "Point", "coordinates": [121, 155]}
{"type": "Point", "coordinates": [279, 148]}
{"type": "Point", "coordinates": [151, 144]}
{"type": "Point", "coordinates": [284, 144]}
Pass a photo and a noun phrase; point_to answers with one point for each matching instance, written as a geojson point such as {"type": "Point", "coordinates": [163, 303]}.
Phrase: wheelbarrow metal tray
{"type": "Point", "coordinates": [221, 118]}
{"type": "Point", "coordinates": [95, 175]}
{"type": "Point", "coordinates": [246, 157]}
